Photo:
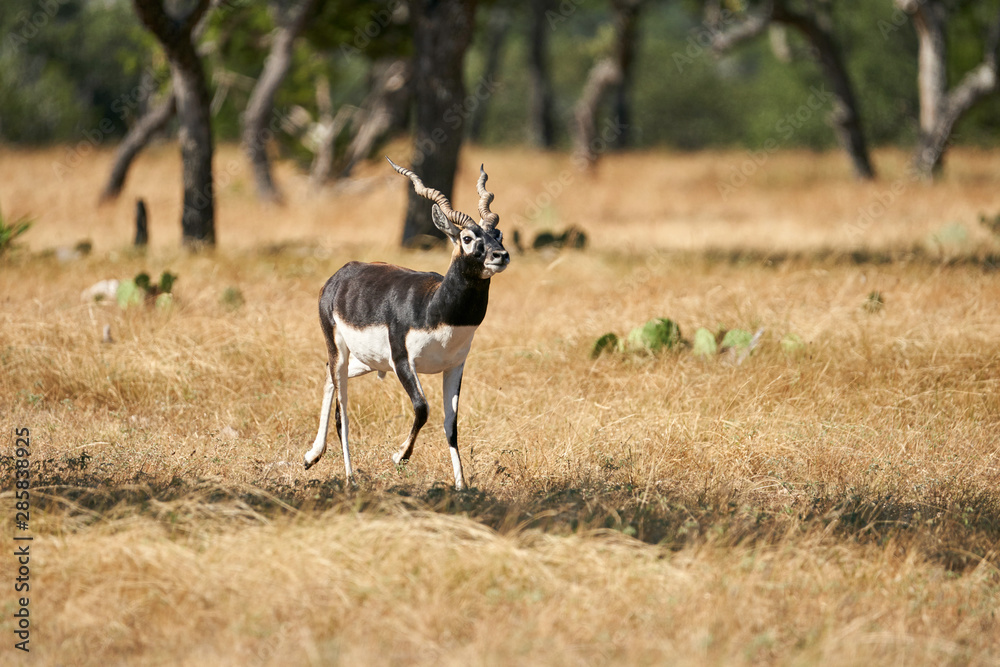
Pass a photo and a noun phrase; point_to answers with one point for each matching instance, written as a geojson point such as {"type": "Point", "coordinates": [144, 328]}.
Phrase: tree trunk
{"type": "Point", "coordinates": [612, 74]}
{"type": "Point", "coordinates": [941, 108]}
{"type": "Point", "coordinates": [195, 133]}
{"type": "Point", "coordinates": [929, 21]}
{"type": "Point", "coordinates": [256, 132]}
{"type": "Point", "coordinates": [626, 21]}
{"type": "Point", "coordinates": [541, 124]}
{"type": "Point", "coordinates": [817, 29]}
{"type": "Point", "coordinates": [442, 31]}
{"type": "Point", "coordinates": [154, 120]}
{"type": "Point", "coordinates": [195, 137]}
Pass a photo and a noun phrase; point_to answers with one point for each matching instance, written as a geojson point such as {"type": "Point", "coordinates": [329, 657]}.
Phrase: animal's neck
{"type": "Point", "coordinates": [461, 300]}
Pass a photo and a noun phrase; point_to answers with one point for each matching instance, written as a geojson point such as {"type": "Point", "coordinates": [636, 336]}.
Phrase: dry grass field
{"type": "Point", "coordinates": [835, 503]}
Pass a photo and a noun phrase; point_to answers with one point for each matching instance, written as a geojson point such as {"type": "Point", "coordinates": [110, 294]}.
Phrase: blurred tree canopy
{"type": "Point", "coordinates": [68, 67]}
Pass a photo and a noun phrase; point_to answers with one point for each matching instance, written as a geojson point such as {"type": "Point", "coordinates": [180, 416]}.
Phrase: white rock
{"type": "Point", "coordinates": [105, 290]}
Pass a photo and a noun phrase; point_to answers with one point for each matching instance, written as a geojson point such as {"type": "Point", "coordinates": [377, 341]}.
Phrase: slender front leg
{"type": "Point", "coordinates": [408, 378]}
{"type": "Point", "coordinates": [319, 445]}
{"type": "Point", "coordinates": [452, 382]}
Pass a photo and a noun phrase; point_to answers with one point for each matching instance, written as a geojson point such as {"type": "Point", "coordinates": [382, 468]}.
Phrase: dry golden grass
{"type": "Point", "coordinates": [836, 505]}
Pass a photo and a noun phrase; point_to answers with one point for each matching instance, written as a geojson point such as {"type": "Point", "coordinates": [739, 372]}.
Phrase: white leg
{"type": "Point", "coordinates": [452, 382]}
{"type": "Point", "coordinates": [319, 445]}
{"type": "Point", "coordinates": [342, 399]}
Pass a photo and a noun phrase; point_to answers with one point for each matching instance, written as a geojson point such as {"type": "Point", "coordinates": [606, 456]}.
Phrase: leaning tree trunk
{"type": "Point", "coordinates": [941, 108]}
{"type": "Point", "coordinates": [817, 29]}
{"type": "Point", "coordinates": [541, 124]}
{"type": "Point", "coordinates": [845, 117]}
{"type": "Point", "coordinates": [602, 77]}
{"type": "Point", "coordinates": [256, 132]}
{"type": "Point", "coordinates": [975, 85]}
{"type": "Point", "coordinates": [443, 29]}
{"type": "Point", "coordinates": [154, 120]}
{"type": "Point", "coordinates": [139, 135]}
{"type": "Point", "coordinates": [195, 133]}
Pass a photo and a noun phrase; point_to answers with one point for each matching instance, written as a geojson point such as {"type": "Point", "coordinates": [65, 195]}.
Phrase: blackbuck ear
{"type": "Point", "coordinates": [444, 224]}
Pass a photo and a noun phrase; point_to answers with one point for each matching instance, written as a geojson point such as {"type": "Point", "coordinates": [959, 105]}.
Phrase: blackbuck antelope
{"type": "Point", "coordinates": [385, 318]}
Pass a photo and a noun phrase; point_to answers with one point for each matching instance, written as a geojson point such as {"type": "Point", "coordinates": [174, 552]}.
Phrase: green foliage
{"type": "Point", "coordinates": [874, 303]}
{"type": "Point", "coordinates": [664, 334]}
{"type": "Point", "coordinates": [87, 68]}
{"type": "Point", "coordinates": [164, 301]}
{"type": "Point", "coordinates": [607, 343]}
{"type": "Point", "coordinates": [141, 289]}
{"type": "Point", "coordinates": [704, 344]}
{"type": "Point", "coordinates": [11, 230]}
{"type": "Point", "coordinates": [738, 338]}
{"type": "Point", "coordinates": [232, 297]}
{"type": "Point", "coordinates": [949, 238]}
{"type": "Point", "coordinates": [653, 336]}
{"type": "Point", "coordinates": [992, 223]}
{"type": "Point", "coordinates": [167, 281]}
{"type": "Point", "coordinates": [792, 344]}
{"type": "Point", "coordinates": [64, 67]}
{"type": "Point", "coordinates": [650, 338]}
{"type": "Point", "coordinates": [129, 293]}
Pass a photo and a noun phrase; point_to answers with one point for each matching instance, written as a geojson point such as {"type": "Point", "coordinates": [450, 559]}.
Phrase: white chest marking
{"type": "Point", "coordinates": [437, 350]}
{"type": "Point", "coordinates": [430, 351]}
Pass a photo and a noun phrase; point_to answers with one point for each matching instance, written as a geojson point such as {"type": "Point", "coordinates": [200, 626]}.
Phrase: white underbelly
{"type": "Point", "coordinates": [368, 348]}
{"type": "Point", "coordinates": [430, 351]}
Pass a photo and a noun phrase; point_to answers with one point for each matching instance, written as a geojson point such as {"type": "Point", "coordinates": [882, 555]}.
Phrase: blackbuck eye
{"type": "Point", "coordinates": [498, 235]}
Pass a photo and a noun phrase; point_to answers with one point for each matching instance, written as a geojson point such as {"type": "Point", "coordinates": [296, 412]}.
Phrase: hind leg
{"type": "Point", "coordinates": [334, 395]}
{"type": "Point", "coordinates": [319, 445]}
{"type": "Point", "coordinates": [342, 423]}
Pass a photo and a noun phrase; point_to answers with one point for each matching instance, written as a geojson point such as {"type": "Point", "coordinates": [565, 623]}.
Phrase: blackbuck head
{"type": "Point", "coordinates": [478, 246]}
